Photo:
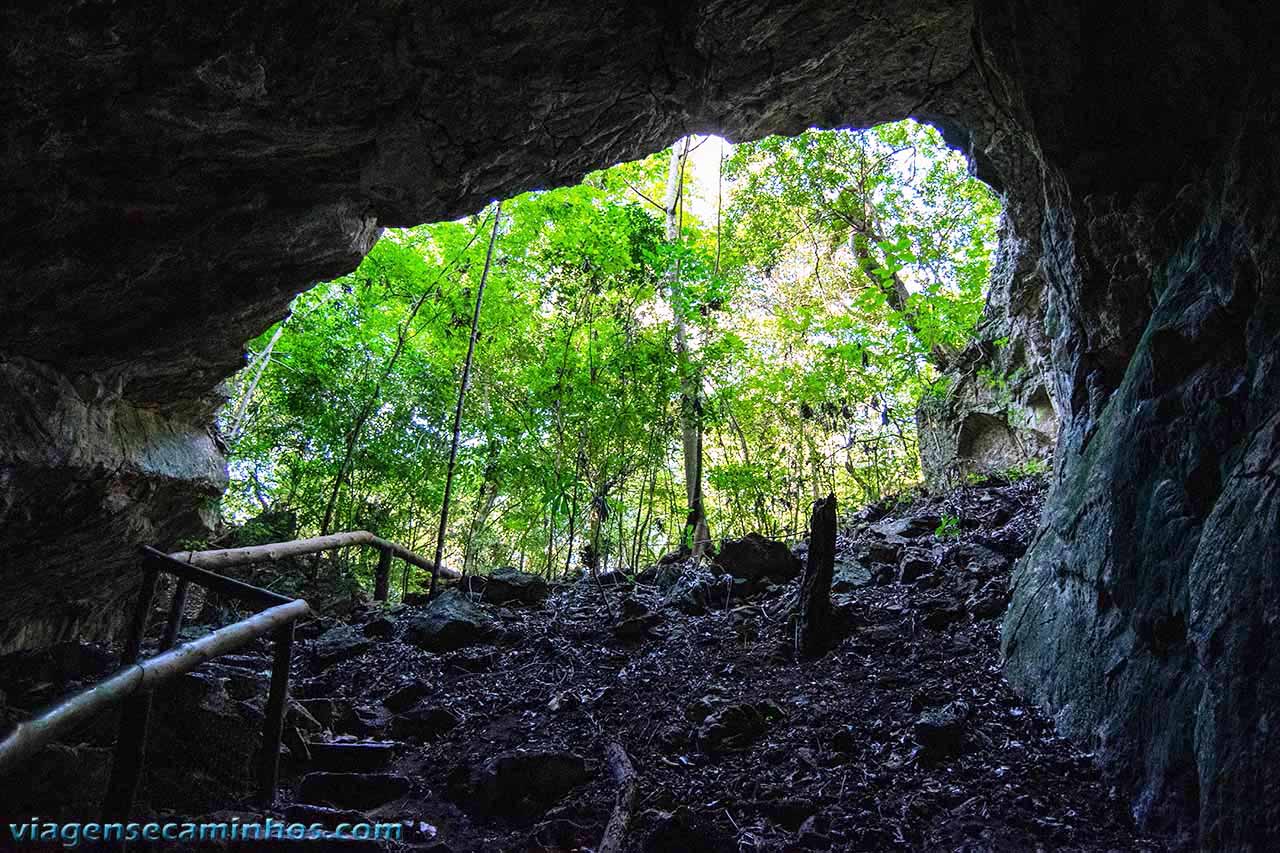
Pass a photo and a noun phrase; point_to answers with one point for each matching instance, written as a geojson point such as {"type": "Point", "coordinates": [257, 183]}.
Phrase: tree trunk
{"type": "Point", "coordinates": [485, 500]}
{"type": "Point", "coordinates": [697, 531]}
{"type": "Point", "coordinates": [237, 420]}
{"type": "Point", "coordinates": [614, 839]}
{"type": "Point", "coordinates": [462, 396]}
{"type": "Point", "coordinates": [814, 627]}
{"type": "Point", "coordinates": [895, 291]}
{"type": "Point", "coordinates": [371, 404]}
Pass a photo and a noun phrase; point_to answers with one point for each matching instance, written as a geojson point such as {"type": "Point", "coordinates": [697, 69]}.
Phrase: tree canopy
{"type": "Point", "coordinates": [788, 312]}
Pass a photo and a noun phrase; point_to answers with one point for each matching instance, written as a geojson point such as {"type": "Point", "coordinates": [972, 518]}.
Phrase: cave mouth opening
{"type": "Point", "coordinates": [817, 286]}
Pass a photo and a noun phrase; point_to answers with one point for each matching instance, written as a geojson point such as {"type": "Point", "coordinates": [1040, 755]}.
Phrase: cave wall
{"type": "Point", "coordinates": [84, 475]}
{"type": "Point", "coordinates": [174, 176]}
{"type": "Point", "coordinates": [995, 410]}
{"type": "Point", "coordinates": [1141, 613]}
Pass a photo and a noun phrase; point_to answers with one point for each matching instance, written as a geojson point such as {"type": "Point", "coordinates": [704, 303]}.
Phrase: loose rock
{"type": "Point", "coordinates": [338, 644]}
{"type": "Point", "coordinates": [754, 558]}
{"type": "Point", "coordinates": [450, 622]}
{"type": "Point", "coordinates": [940, 732]}
{"type": "Point", "coordinates": [520, 784]}
{"type": "Point", "coordinates": [423, 722]}
{"type": "Point", "coordinates": [508, 585]}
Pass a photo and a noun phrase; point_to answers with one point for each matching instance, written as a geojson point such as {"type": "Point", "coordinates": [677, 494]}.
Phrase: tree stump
{"type": "Point", "coordinates": [814, 626]}
{"type": "Point", "coordinates": [382, 578]}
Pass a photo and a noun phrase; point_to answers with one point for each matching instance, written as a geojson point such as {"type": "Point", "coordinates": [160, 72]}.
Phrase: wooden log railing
{"type": "Point", "coordinates": [278, 551]}
{"type": "Point", "coordinates": [133, 683]}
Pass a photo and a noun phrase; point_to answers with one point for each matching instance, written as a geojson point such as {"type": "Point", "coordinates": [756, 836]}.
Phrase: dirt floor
{"type": "Point", "coordinates": [904, 736]}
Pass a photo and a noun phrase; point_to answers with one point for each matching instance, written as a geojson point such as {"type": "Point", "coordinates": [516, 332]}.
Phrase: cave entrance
{"type": "Point", "coordinates": [723, 330]}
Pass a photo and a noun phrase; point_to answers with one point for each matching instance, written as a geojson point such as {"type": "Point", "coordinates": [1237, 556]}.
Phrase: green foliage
{"type": "Point", "coordinates": [948, 528]}
{"type": "Point", "coordinates": [1030, 469]}
{"type": "Point", "coordinates": [810, 374]}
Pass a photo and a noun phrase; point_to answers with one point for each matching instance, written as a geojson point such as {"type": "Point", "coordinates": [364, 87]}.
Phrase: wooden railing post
{"type": "Point", "coordinates": [131, 741]}
{"type": "Point", "coordinates": [177, 608]}
{"type": "Point", "coordinates": [277, 703]}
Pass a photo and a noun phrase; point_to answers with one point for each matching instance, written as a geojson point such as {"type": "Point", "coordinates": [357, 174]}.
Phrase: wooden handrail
{"type": "Point", "coordinates": [66, 715]}
{"type": "Point", "coordinates": [226, 557]}
{"type": "Point", "coordinates": [225, 586]}
{"type": "Point", "coordinates": [132, 685]}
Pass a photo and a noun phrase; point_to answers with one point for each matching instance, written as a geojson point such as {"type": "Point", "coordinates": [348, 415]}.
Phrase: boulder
{"type": "Point", "coordinates": [675, 557]}
{"type": "Point", "coordinates": [506, 586]}
{"type": "Point", "coordinates": [636, 627]}
{"type": "Point", "coordinates": [202, 745]}
{"type": "Point", "coordinates": [323, 710]}
{"type": "Point", "coordinates": [849, 575]}
{"type": "Point", "coordinates": [298, 717]}
{"type": "Point", "coordinates": [360, 720]}
{"type": "Point", "coordinates": [611, 579]}
{"type": "Point", "coordinates": [381, 628]}
{"type": "Point", "coordinates": [904, 530]}
{"type": "Point", "coordinates": [405, 697]}
{"type": "Point", "coordinates": [698, 590]}
{"type": "Point", "coordinates": [450, 622]}
{"type": "Point", "coordinates": [351, 757]}
{"type": "Point", "coordinates": [884, 551]}
{"type": "Point", "coordinates": [239, 683]}
{"type": "Point", "coordinates": [36, 677]}
{"type": "Point", "coordinates": [990, 602]}
{"type": "Point", "coordinates": [735, 726]}
{"type": "Point", "coordinates": [941, 610]}
{"type": "Point", "coordinates": [58, 782]}
{"type": "Point", "coordinates": [754, 558]}
{"type": "Point", "coordinates": [976, 558]}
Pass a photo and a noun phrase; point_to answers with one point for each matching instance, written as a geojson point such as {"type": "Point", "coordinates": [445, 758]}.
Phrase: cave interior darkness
{"type": "Point", "coordinates": [173, 178]}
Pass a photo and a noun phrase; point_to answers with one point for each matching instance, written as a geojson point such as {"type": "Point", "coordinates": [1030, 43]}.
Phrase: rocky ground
{"type": "Point", "coordinates": [482, 719]}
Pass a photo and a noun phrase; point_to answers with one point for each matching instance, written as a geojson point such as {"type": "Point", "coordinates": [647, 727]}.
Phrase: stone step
{"type": "Point", "coordinates": [351, 757]}
{"type": "Point", "coordinates": [352, 790]}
